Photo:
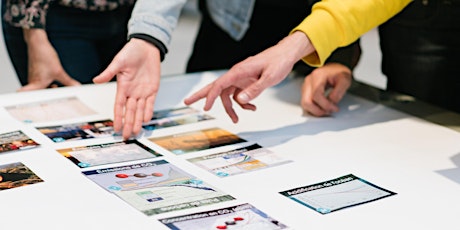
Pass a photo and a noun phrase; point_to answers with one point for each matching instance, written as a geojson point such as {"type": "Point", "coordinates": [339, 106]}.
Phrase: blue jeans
{"type": "Point", "coordinates": [85, 41]}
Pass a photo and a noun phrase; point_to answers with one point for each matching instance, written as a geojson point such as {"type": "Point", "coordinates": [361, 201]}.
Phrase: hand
{"type": "Point", "coordinates": [247, 79]}
{"type": "Point", "coordinates": [323, 89]}
{"type": "Point", "coordinates": [137, 68]}
{"type": "Point", "coordinates": [44, 65]}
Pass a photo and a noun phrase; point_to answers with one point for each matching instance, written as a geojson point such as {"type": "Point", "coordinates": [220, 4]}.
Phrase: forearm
{"type": "Point", "coordinates": [35, 36]}
{"type": "Point", "coordinates": [155, 18]}
{"type": "Point", "coordinates": [296, 46]}
{"type": "Point", "coordinates": [337, 23]}
{"type": "Point", "coordinates": [37, 41]}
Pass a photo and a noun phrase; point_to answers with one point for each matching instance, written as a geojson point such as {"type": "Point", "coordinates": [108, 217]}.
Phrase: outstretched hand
{"type": "Point", "coordinates": [249, 78]}
{"type": "Point", "coordinates": [137, 68]}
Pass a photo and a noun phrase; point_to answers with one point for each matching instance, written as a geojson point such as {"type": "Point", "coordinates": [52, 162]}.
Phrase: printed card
{"type": "Point", "coordinates": [116, 152]}
{"type": "Point", "coordinates": [337, 194]}
{"type": "Point", "coordinates": [174, 117]}
{"type": "Point", "coordinates": [16, 175]}
{"type": "Point", "coordinates": [238, 161]}
{"type": "Point", "coordinates": [16, 140]}
{"type": "Point", "coordinates": [197, 140]}
{"type": "Point", "coordinates": [244, 216]}
{"type": "Point", "coordinates": [156, 187]}
{"type": "Point", "coordinates": [78, 131]}
{"type": "Point", "coordinates": [51, 110]}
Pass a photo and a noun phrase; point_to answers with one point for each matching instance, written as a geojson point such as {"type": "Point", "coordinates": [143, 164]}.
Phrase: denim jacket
{"type": "Point", "coordinates": [232, 16]}
{"type": "Point", "coordinates": [158, 18]}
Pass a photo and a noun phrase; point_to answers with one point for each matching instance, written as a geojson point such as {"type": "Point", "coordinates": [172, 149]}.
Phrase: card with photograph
{"type": "Point", "coordinates": [174, 112]}
{"type": "Point", "coordinates": [175, 117]}
{"type": "Point", "coordinates": [197, 140]}
{"type": "Point", "coordinates": [78, 131]}
{"type": "Point", "coordinates": [16, 175]}
{"type": "Point", "coordinates": [102, 154]}
{"type": "Point", "coordinates": [16, 140]}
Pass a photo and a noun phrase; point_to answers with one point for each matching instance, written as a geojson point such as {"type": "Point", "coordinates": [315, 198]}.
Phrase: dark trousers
{"type": "Point", "coordinates": [421, 52]}
{"type": "Point", "coordinates": [85, 41]}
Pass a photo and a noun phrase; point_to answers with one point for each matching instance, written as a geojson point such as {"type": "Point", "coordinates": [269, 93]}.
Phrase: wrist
{"type": "Point", "coordinates": [153, 41]}
{"type": "Point", "coordinates": [299, 45]}
{"type": "Point", "coordinates": [35, 36]}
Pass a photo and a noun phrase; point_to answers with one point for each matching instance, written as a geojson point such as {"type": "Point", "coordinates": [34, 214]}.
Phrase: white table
{"type": "Point", "coordinates": [412, 157]}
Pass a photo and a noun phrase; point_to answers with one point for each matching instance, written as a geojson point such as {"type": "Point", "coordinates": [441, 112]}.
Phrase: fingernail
{"type": "Point", "coordinates": [243, 98]}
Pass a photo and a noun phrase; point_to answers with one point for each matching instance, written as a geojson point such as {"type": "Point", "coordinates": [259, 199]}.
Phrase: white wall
{"type": "Point", "coordinates": [8, 79]}
{"type": "Point", "coordinates": [368, 70]}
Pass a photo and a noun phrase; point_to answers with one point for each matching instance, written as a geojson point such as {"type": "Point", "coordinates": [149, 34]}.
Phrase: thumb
{"type": "Point", "coordinates": [251, 92]}
{"type": "Point", "coordinates": [107, 74]}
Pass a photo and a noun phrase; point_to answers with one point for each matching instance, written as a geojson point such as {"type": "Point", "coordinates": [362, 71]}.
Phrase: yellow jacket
{"type": "Point", "coordinates": [337, 23]}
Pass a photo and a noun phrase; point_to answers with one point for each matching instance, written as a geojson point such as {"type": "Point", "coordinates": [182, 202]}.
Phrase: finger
{"type": "Point", "coordinates": [200, 94]}
{"type": "Point", "coordinates": [66, 80]}
{"type": "Point", "coordinates": [315, 110]}
{"type": "Point", "coordinates": [138, 116]}
{"type": "Point", "coordinates": [228, 105]}
{"type": "Point", "coordinates": [320, 99]}
{"type": "Point", "coordinates": [130, 111]}
{"type": "Point", "coordinates": [247, 106]}
{"type": "Point", "coordinates": [32, 86]}
{"type": "Point", "coordinates": [149, 105]}
{"type": "Point", "coordinates": [251, 92]}
{"type": "Point", "coordinates": [108, 74]}
{"type": "Point", "coordinates": [119, 109]}
{"type": "Point", "coordinates": [307, 102]}
{"type": "Point", "coordinates": [340, 89]}
{"type": "Point", "coordinates": [211, 97]}
{"type": "Point", "coordinates": [227, 80]}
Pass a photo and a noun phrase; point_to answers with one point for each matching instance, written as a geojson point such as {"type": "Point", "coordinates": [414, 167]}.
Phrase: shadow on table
{"type": "Point", "coordinates": [453, 173]}
{"type": "Point", "coordinates": [354, 112]}
{"type": "Point", "coordinates": [394, 100]}
{"type": "Point", "coordinates": [363, 106]}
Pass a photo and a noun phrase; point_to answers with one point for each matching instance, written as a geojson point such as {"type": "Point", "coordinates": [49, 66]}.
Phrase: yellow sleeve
{"type": "Point", "coordinates": [336, 23]}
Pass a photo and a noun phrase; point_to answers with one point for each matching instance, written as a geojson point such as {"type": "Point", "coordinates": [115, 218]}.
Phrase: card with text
{"type": "Point", "coordinates": [238, 161]}
{"type": "Point", "coordinates": [156, 187]}
{"type": "Point", "coordinates": [101, 154]}
{"type": "Point", "coordinates": [337, 194]}
{"type": "Point", "coordinates": [244, 216]}
{"type": "Point", "coordinates": [50, 110]}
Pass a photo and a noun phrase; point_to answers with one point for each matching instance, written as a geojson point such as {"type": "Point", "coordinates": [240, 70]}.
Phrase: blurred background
{"type": "Point", "coordinates": [367, 71]}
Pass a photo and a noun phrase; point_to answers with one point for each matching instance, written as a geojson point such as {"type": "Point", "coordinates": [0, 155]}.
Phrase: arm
{"type": "Point", "coordinates": [337, 23]}
{"type": "Point", "coordinates": [137, 65]}
{"type": "Point", "coordinates": [247, 79]}
{"type": "Point", "coordinates": [44, 65]}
